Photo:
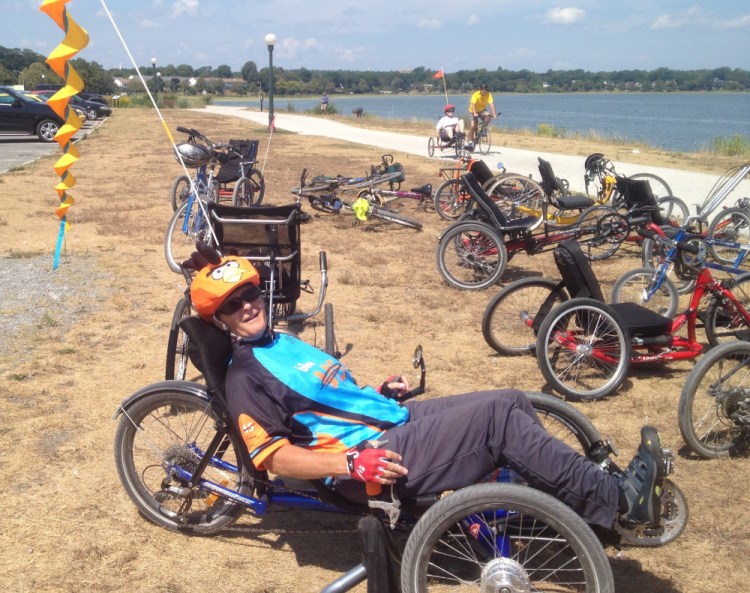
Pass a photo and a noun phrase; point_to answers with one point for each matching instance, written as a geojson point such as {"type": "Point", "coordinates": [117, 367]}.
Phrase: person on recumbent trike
{"type": "Point", "coordinates": [302, 415]}
{"type": "Point", "coordinates": [449, 127]}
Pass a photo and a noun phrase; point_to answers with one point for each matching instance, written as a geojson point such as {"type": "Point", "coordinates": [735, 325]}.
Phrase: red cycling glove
{"type": "Point", "coordinates": [366, 465]}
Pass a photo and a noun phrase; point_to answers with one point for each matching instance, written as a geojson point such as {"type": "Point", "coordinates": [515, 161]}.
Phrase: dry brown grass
{"type": "Point", "coordinates": [69, 526]}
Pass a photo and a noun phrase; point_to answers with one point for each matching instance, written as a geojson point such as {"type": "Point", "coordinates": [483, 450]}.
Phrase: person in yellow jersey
{"type": "Point", "coordinates": [480, 101]}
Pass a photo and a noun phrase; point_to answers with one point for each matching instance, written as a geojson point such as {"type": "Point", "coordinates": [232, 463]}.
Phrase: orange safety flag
{"type": "Point", "coordinates": [439, 73]}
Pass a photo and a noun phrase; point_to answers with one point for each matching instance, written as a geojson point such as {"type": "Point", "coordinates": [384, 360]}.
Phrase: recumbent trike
{"type": "Point", "coordinates": [185, 466]}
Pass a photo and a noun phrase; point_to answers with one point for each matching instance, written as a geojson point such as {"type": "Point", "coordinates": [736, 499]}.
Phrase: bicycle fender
{"type": "Point", "coordinates": [190, 387]}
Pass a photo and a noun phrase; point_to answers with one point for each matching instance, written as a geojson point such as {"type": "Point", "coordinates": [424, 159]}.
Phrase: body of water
{"type": "Point", "coordinates": [683, 122]}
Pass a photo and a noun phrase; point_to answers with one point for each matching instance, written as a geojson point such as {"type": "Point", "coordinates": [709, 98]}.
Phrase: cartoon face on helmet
{"type": "Point", "coordinates": [214, 283]}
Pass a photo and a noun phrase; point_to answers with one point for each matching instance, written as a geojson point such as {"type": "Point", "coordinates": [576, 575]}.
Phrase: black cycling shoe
{"type": "Point", "coordinates": [642, 481]}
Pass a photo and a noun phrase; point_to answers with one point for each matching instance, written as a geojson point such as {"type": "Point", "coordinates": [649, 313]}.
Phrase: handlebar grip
{"type": "Point", "coordinates": [184, 130]}
{"type": "Point", "coordinates": [648, 233]}
{"type": "Point", "coordinates": [323, 262]}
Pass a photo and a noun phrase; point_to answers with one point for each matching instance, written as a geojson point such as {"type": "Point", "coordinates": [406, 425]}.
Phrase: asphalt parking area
{"type": "Point", "coordinates": [17, 150]}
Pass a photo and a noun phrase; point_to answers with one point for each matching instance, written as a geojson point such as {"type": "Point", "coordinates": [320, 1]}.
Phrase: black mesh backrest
{"type": "Point", "coordinates": [483, 201]}
{"type": "Point", "coordinates": [230, 170]}
{"type": "Point", "coordinates": [576, 272]}
{"type": "Point", "coordinates": [209, 349]}
{"type": "Point", "coordinates": [639, 198]}
{"type": "Point", "coordinates": [269, 237]}
{"type": "Point", "coordinates": [550, 184]}
{"type": "Point", "coordinates": [481, 171]}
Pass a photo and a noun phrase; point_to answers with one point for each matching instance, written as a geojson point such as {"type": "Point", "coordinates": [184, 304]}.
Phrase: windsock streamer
{"type": "Point", "coordinates": [75, 40]}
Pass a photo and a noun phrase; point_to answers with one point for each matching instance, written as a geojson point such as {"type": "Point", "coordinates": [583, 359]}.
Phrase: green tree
{"type": "Point", "coordinates": [39, 73]}
{"type": "Point", "coordinates": [249, 71]}
{"type": "Point", "coordinates": [184, 70]}
{"type": "Point", "coordinates": [223, 71]}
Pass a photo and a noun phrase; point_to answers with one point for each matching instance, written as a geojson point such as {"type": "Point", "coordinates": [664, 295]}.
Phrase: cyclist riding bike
{"type": "Point", "coordinates": [302, 415]}
{"type": "Point", "coordinates": [478, 104]}
{"type": "Point", "coordinates": [449, 126]}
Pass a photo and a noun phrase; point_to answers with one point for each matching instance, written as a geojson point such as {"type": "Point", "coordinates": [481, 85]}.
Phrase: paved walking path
{"type": "Point", "coordinates": [692, 187]}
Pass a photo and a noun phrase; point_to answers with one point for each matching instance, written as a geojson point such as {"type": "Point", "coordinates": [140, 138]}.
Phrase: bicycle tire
{"type": "Point", "coordinates": [710, 403]}
{"type": "Point", "coordinates": [505, 321]}
{"type": "Point", "coordinates": [722, 321]}
{"type": "Point", "coordinates": [180, 191]}
{"type": "Point", "coordinates": [653, 254]}
{"type": "Point", "coordinates": [242, 194]}
{"type": "Point", "coordinates": [632, 286]}
{"type": "Point", "coordinates": [430, 147]}
{"type": "Point", "coordinates": [394, 217]}
{"type": "Point", "coordinates": [471, 256]}
{"type": "Point", "coordinates": [168, 426]}
{"type": "Point", "coordinates": [731, 225]}
{"type": "Point", "coordinates": [460, 539]}
{"type": "Point", "coordinates": [484, 139]}
{"type": "Point", "coordinates": [178, 343]}
{"type": "Point", "coordinates": [583, 373]}
{"type": "Point", "coordinates": [330, 336]}
{"type": "Point", "coordinates": [673, 210]}
{"type": "Point", "coordinates": [603, 231]}
{"type": "Point", "coordinates": [178, 245]}
{"type": "Point", "coordinates": [564, 422]}
{"type": "Point", "coordinates": [259, 185]}
{"type": "Point", "coordinates": [452, 199]}
{"type": "Point", "coordinates": [659, 187]}
{"type": "Point", "coordinates": [518, 196]}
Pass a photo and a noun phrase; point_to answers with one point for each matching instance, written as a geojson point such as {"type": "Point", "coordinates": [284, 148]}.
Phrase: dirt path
{"type": "Point", "coordinates": [93, 332]}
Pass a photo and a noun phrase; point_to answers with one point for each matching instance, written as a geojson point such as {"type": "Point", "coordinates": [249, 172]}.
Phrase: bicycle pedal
{"type": "Point", "coordinates": [668, 459]}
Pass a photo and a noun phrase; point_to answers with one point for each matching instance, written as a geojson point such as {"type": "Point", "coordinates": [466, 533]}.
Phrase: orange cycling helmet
{"type": "Point", "coordinates": [215, 282]}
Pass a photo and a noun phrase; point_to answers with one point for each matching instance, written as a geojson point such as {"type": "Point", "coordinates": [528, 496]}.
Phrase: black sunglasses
{"type": "Point", "coordinates": [231, 306]}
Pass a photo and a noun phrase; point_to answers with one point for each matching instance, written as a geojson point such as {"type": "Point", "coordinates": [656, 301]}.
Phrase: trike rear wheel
{"type": "Point", "coordinates": [482, 536]}
{"type": "Point", "coordinates": [171, 427]}
{"type": "Point", "coordinates": [430, 147]}
{"type": "Point", "coordinates": [724, 322]}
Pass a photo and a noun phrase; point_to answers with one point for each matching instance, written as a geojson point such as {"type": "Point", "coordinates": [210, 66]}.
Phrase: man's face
{"type": "Point", "coordinates": [250, 320]}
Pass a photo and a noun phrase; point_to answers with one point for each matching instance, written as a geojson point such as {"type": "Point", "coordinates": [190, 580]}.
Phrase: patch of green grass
{"type": "Point", "coordinates": [67, 351]}
{"type": "Point", "coordinates": [737, 145]}
{"type": "Point", "coordinates": [550, 131]}
{"type": "Point", "coordinates": [17, 168]}
{"type": "Point", "coordinates": [17, 376]}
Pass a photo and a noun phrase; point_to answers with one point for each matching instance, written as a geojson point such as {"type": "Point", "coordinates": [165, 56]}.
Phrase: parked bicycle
{"type": "Point", "coordinates": [322, 197]}
{"type": "Point", "coordinates": [236, 160]}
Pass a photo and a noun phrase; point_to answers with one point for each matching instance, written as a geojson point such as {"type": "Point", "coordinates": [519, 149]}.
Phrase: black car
{"type": "Point", "coordinates": [93, 109]}
{"type": "Point", "coordinates": [22, 115]}
{"type": "Point", "coordinates": [95, 97]}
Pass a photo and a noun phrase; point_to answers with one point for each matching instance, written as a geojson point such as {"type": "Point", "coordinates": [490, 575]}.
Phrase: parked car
{"type": "Point", "coordinates": [95, 97]}
{"type": "Point", "coordinates": [20, 114]}
{"type": "Point", "coordinates": [92, 109]}
{"type": "Point", "coordinates": [44, 96]}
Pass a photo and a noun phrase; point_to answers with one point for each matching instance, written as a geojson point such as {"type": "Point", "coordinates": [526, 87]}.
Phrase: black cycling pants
{"type": "Point", "coordinates": [456, 441]}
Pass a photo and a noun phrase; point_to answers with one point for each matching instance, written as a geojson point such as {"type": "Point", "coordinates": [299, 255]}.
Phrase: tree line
{"type": "Point", "coordinates": [23, 66]}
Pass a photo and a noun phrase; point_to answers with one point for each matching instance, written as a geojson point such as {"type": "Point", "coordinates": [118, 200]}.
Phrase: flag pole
{"type": "Point", "coordinates": [445, 88]}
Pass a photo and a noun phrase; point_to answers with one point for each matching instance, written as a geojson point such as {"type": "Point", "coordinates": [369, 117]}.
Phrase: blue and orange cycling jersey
{"type": "Point", "coordinates": [281, 390]}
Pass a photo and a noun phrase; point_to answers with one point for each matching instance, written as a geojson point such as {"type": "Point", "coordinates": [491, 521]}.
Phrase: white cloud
{"type": "Point", "coordinates": [473, 20]}
{"type": "Point", "coordinates": [739, 22]}
{"type": "Point", "coordinates": [147, 24]}
{"type": "Point", "coordinates": [184, 6]}
{"type": "Point", "coordinates": [429, 24]}
{"type": "Point", "coordinates": [565, 16]}
{"type": "Point", "coordinates": [311, 43]}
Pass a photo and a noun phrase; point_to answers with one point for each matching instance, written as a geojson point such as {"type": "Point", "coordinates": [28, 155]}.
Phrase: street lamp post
{"type": "Point", "coordinates": [270, 42]}
{"type": "Point", "coordinates": [153, 64]}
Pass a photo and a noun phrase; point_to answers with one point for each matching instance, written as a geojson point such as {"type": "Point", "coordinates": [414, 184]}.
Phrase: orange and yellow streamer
{"type": "Point", "coordinates": [75, 40]}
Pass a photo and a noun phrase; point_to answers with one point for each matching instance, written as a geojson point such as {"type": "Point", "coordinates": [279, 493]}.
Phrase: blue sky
{"type": "Point", "coordinates": [383, 35]}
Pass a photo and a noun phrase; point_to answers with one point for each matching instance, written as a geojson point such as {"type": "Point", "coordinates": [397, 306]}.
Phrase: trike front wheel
{"type": "Point", "coordinates": [513, 316]}
{"type": "Point", "coordinates": [634, 286]}
{"type": "Point", "coordinates": [471, 256]}
{"type": "Point", "coordinates": [583, 349]}
{"type": "Point", "coordinates": [483, 536]}
{"type": "Point", "coordinates": [170, 428]}
{"type": "Point", "coordinates": [452, 199]}
{"type": "Point", "coordinates": [724, 322]}
{"type": "Point", "coordinates": [430, 147]}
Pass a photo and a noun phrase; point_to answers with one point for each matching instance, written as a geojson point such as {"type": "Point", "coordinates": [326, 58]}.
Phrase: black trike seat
{"type": "Point", "coordinates": [495, 216]}
{"type": "Point", "coordinates": [580, 281]}
{"type": "Point", "coordinates": [425, 190]}
{"type": "Point", "coordinates": [557, 193]}
{"type": "Point", "coordinates": [640, 201]}
{"type": "Point", "coordinates": [230, 170]}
